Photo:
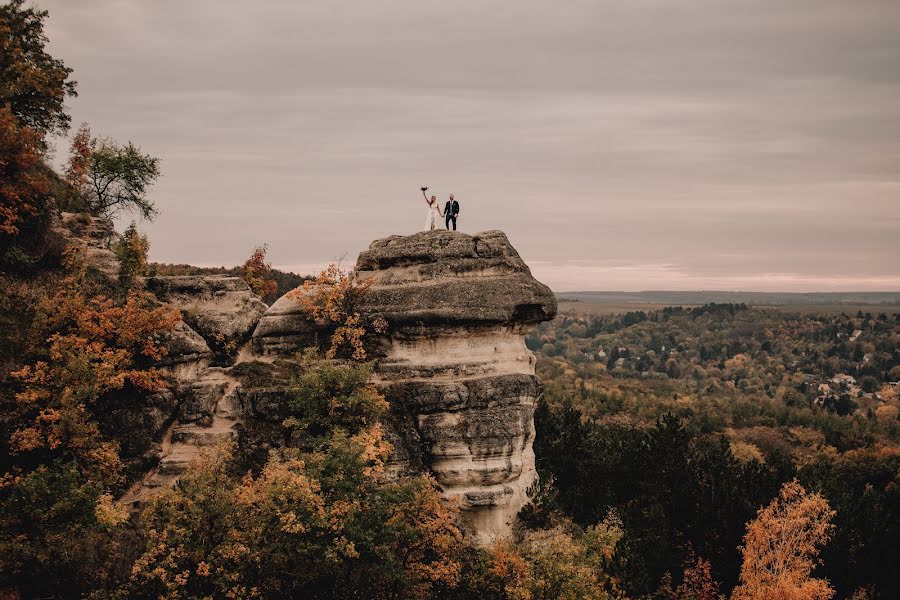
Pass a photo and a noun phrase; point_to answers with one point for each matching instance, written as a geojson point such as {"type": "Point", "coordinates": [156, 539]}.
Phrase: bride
{"type": "Point", "coordinates": [434, 212]}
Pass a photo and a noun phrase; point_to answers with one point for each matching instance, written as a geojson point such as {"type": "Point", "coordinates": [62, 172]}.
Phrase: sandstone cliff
{"type": "Point", "coordinates": [456, 371]}
{"type": "Point", "coordinates": [453, 366]}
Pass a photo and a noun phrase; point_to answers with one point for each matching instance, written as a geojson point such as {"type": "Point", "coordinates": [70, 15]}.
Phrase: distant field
{"type": "Point", "coordinates": [604, 303]}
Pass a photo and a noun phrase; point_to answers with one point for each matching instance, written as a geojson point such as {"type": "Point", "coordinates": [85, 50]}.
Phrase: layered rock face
{"type": "Point", "coordinates": [222, 309]}
{"type": "Point", "coordinates": [453, 365]}
{"type": "Point", "coordinates": [219, 314]}
{"type": "Point", "coordinates": [456, 370]}
{"type": "Point", "coordinates": [96, 234]}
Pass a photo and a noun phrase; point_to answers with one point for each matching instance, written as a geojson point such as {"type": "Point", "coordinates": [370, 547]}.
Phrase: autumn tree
{"type": "Point", "coordinates": [289, 533]}
{"type": "Point", "coordinates": [256, 272]}
{"type": "Point", "coordinates": [119, 178]}
{"type": "Point", "coordinates": [22, 184]}
{"type": "Point", "coordinates": [78, 167]}
{"type": "Point", "coordinates": [33, 84]}
{"type": "Point", "coordinates": [781, 548]}
{"type": "Point", "coordinates": [61, 471]}
{"type": "Point", "coordinates": [560, 562]}
{"type": "Point", "coordinates": [697, 582]}
{"type": "Point", "coordinates": [332, 301]}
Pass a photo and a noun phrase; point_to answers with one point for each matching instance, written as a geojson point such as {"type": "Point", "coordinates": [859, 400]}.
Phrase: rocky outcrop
{"type": "Point", "coordinates": [453, 365]}
{"type": "Point", "coordinates": [218, 315]}
{"type": "Point", "coordinates": [96, 234]}
{"type": "Point", "coordinates": [456, 369]}
{"type": "Point", "coordinates": [284, 328]}
{"type": "Point", "coordinates": [222, 309]}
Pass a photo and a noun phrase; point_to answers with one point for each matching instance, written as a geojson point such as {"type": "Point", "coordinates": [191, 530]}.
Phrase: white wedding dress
{"type": "Point", "coordinates": [433, 217]}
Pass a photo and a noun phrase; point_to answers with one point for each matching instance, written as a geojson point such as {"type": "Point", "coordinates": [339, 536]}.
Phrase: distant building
{"type": "Point", "coordinates": [844, 379]}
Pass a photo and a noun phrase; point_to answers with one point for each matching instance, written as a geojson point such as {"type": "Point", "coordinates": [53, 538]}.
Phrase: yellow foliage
{"type": "Point", "coordinates": [330, 301]}
{"type": "Point", "coordinates": [559, 563]}
{"type": "Point", "coordinates": [781, 548]}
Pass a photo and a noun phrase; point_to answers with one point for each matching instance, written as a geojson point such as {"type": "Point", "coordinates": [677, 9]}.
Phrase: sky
{"type": "Point", "coordinates": [621, 145]}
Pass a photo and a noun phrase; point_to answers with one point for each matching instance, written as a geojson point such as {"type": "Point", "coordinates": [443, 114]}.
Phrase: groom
{"type": "Point", "coordinates": [451, 211]}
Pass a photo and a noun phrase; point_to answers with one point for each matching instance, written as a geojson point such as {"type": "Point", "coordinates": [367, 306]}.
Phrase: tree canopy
{"type": "Point", "coordinates": [33, 84]}
{"type": "Point", "coordinates": [119, 178]}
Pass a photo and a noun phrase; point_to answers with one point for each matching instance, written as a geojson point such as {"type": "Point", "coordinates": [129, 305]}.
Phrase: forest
{"type": "Point", "coordinates": [686, 420]}
{"type": "Point", "coordinates": [684, 454]}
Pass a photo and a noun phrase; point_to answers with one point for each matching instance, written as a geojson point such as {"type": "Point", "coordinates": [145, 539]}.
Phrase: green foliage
{"type": "Point", "coordinates": [131, 250]}
{"type": "Point", "coordinates": [329, 396]}
{"type": "Point", "coordinates": [672, 487]}
{"type": "Point", "coordinates": [731, 380]}
{"type": "Point", "coordinates": [119, 178]}
{"type": "Point", "coordinates": [309, 526]}
{"type": "Point", "coordinates": [33, 84]}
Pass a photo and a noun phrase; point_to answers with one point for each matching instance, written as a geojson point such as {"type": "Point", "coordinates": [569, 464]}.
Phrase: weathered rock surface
{"type": "Point", "coordinates": [457, 369]}
{"type": "Point", "coordinates": [450, 279]}
{"type": "Point", "coordinates": [97, 234]}
{"type": "Point", "coordinates": [454, 367]}
{"type": "Point", "coordinates": [207, 415]}
{"type": "Point", "coordinates": [283, 329]}
{"type": "Point", "coordinates": [188, 353]}
{"type": "Point", "coordinates": [222, 309]}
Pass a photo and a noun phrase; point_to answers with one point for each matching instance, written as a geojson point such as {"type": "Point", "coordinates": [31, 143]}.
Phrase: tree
{"type": "Point", "coordinates": [59, 469]}
{"type": "Point", "coordinates": [33, 84]}
{"type": "Point", "coordinates": [131, 250]}
{"type": "Point", "coordinates": [332, 300]}
{"type": "Point", "coordinates": [869, 384]}
{"type": "Point", "coordinates": [781, 548]}
{"type": "Point", "coordinates": [697, 583]}
{"type": "Point", "coordinates": [119, 178]}
{"type": "Point", "coordinates": [79, 165]}
{"type": "Point", "coordinates": [22, 185]}
{"type": "Point", "coordinates": [560, 562]}
{"type": "Point", "coordinates": [256, 272]}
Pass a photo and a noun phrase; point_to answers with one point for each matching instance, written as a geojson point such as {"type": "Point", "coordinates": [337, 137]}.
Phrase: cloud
{"type": "Point", "coordinates": [753, 143]}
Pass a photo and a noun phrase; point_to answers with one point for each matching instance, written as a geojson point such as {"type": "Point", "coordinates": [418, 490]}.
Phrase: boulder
{"type": "Point", "coordinates": [222, 309]}
{"type": "Point", "coordinates": [284, 328]}
{"type": "Point", "coordinates": [97, 234]}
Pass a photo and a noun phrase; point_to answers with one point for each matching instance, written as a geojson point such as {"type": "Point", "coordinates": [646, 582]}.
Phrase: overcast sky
{"type": "Point", "coordinates": [622, 145]}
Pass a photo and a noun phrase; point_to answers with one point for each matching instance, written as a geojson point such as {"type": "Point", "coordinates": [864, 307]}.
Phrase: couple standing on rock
{"type": "Point", "coordinates": [450, 212]}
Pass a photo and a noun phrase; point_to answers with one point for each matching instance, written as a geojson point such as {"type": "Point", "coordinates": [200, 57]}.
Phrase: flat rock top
{"type": "Point", "coordinates": [195, 285]}
{"type": "Point", "coordinates": [450, 278]}
{"type": "Point", "coordinates": [448, 247]}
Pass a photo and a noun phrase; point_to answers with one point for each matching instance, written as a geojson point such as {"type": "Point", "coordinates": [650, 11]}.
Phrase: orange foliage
{"type": "Point", "coordinates": [79, 163]}
{"type": "Point", "coordinates": [330, 300]}
{"type": "Point", "coordinates": [94, 346]}
{"type": "Point", "coordinates": [21, 183]}
{"type": "Point", "coordinates": [255, 271]}
{"type": "Point", "coordinates": [698, 583]}
{"type": "Point", "coordinates": [781, 548]}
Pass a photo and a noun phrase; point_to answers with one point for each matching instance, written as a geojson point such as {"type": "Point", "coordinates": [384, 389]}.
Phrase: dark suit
{"type": "Point", "coordinates": [451, 211]}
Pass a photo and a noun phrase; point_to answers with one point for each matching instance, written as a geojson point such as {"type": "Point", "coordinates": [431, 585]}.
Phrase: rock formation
{"type": "Point", "coordinates": [220, 308]}
{"type": "Point", "coordinates": [453, 365]}
{"type": "Point", "coordinates": [95, 234]}
{"type": "Point", "coordinates": [218, 313]}
{"type": "Point", "coordinates": [456, 371]}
